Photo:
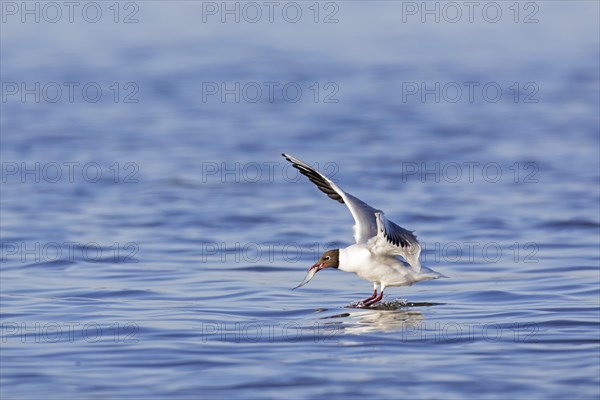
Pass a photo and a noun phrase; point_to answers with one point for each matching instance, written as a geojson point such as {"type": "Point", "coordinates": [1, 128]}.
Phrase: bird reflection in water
{"type": "Point", "coordinates": [386, 317]}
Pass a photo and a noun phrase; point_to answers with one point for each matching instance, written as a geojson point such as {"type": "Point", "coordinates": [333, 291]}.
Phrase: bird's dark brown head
{"type": "Point", "coordinates": [329, 259]}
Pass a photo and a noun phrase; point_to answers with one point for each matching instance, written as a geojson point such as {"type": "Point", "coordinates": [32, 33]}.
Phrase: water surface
{"type": "Point", "coordinates": [159, 264]}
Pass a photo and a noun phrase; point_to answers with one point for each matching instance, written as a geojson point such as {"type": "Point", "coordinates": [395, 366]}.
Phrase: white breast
{"type": "Point", "coordinates": [355, 258]}
{"type": "Point", "coordinates": [388, 270]}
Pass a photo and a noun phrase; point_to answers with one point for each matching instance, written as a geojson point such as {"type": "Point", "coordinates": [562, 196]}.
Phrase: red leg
{"type": "Point", "coordinates": [370, 298]}
{"type": "Point", "coordinates": [373, 301]}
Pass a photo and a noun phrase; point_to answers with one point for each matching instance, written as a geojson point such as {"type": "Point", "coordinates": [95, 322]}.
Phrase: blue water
{"type": "Point", "coordinates": [151, 235]}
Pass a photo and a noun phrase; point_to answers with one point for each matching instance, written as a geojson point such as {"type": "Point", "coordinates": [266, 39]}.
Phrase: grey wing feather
{"type": "Point", "coordinates": [365, 225]}
{"type": "Point", "coordinates": [395, 240]}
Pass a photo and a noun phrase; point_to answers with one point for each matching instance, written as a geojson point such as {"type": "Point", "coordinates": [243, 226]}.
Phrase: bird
{"type": "Point", "coordinates": [384, 253]}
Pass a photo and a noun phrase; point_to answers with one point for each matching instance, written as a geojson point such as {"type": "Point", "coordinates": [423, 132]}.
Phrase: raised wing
{"type": "Point", "coordinates": [392, 239]}
{"type": "Point", "coordinates": [383, 237]}
{"type": "Point", "coordinates": [365, 225]}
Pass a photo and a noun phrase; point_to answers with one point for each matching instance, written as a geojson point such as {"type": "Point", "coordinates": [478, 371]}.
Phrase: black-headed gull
{"type": "Point", "coordinates": [384, 253]}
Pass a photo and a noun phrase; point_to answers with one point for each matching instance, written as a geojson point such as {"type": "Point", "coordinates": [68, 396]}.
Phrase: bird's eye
{"type": "Point", "coordinates": [327, 258]}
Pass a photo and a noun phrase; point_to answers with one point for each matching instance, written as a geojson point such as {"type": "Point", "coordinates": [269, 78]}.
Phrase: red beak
{"type": "Point", "coordinates": [317, 266]}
